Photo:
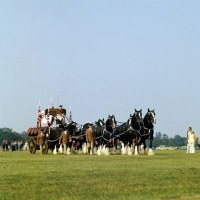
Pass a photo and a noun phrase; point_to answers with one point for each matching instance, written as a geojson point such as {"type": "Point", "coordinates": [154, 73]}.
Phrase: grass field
{"type": "Point", "coordinates": [167, 175]}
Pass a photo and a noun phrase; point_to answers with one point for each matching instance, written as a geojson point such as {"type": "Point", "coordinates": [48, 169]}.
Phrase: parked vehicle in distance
{"type": "Point", "coordinates": [171, 148]}
{"type": "Point", "coordinates": [183, 148]}
{"type": "Point", "coordinates": [162, 147]}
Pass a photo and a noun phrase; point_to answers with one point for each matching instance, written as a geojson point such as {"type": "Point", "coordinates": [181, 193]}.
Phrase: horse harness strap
{"type": "Point", "coordinates": [149, 131]}
{"type": "Point", "coordinates": [53, 140]}
{"type": "Point", "coordinates": [138, 131]}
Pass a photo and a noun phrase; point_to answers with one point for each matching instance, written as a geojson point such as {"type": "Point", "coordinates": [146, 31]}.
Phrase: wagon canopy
{"type": "Point", "coordinates": [53, 112]}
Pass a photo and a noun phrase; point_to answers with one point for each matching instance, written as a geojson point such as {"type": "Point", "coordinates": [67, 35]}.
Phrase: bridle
{"type": "Point", "coordinates": [138, 116]}
{"type": "Point", "coordinates": [151, 116]}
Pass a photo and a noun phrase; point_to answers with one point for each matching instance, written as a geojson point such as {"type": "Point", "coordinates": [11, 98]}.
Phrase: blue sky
{"type": "Point", "coordinates": [100, 58]}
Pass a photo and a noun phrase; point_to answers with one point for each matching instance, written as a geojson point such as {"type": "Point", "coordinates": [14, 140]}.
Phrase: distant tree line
{"type": "Point", "coordinates": [176, 141]}
{"type": "Point", "coordinates": [9, 134]}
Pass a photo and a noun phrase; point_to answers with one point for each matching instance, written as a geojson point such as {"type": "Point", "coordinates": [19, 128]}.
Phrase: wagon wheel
{"type": "Point", "coordinates": [45, 148]}
{"type": "Point", "coordinates": [32, 145]}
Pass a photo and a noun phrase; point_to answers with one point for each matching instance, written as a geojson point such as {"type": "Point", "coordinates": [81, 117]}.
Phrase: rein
{"type": "Point", "coordinates": [130, 128]}
{"type": "Point", "coordinates": [120, 122]}
{"type": "Point", "coordinates": [53, 140]}
{"type": "Point", "coordinates": [149, 131]}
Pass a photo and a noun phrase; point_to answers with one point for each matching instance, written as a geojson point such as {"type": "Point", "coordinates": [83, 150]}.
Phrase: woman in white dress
{"type": "Point", "coordinates": [191, 138]}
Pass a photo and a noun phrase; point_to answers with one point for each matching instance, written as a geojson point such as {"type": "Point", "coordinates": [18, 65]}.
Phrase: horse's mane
{"type": "Point", "coordinates": [132, 119]}
{"type": "Point", "coordinates": [109, 120]}
{"type": "Point", "coordinates": [145, 121]}
{"type": "Point", "coordinates": [145, 118]}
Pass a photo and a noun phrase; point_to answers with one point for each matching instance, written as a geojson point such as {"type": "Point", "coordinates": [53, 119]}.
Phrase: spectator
{"type": "Point", "coordinates": [12, 146]}
{"type": "Point", "coordinates": [6, 145]}
{"type": "Point", "coordinates": [16, 145]}
{"type": "Point", "coordinates": [26, 147]}
{"type": "Point", "coordinates": [191, 138]}
{"type": "Point", "coordinates": [3, 145]}
{"type": "Point", "coordinates": [19, 145]}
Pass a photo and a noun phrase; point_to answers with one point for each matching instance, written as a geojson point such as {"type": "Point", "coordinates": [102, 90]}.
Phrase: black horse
{"type": "Point", "coordinates": [53, 134]}
{"type": "Point", "coordinates": [111, 123]}
{"type": "Point", "coordinates": [100, 122]}
{"type": "Point", "coordinates": [104, 131]}
{"type": "Point", "coordinates": [99, 131]}
{"type": "Point", "coordinates": [79, 136]}
{"type": "Point", "coordinates": [147, 130]}
{"type": "Point", "coordinates": [110, 127]}
{"type": "Point", "coordinates": [128, 132]}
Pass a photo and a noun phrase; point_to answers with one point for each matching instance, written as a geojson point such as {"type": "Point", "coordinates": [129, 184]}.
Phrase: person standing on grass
{"type": "Point", "coordinates": [6, 145]}
{"type": "Point", "coordinates": [199, 142]}
{"type": "Point", "coordinates": [41, 140]}
{"type": "Point", "coordinates": [12, 145]}
{"type": "Point", "coordinates": [3, 145]}
{"type": "Point", "coordinates": [64, 139]}
{"type": "Point", "coordinates": [19, 145]}
{"type": "Point", "coordinates": [16, 145]}
{"type": "Point", "coordinates": [90, 139]}
{"type": "Point", "coordinates": [191, 138]}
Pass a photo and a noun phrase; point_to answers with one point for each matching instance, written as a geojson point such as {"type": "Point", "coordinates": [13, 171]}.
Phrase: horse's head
{"type": "Point", "coordinates": [151, 116]}
{"type": "Point", "coordinates": [100, 122]}
{"type": "Point", "coordinates": [138, 115]}
{"type": "Point", "coordinates": [75, 126]}
{"type": "Point", "coordinates": [111, 122]}
{"type": "Point", "coordinates": [85, 126]}
{"type": "Point", "coordinates": [72, 126]}
{"type": "Point", "coordinates": [47, 132]}
{"type": "Point", "coordinates": [129, 120]}
{"type": "Point", "coordinates": [135, 119]}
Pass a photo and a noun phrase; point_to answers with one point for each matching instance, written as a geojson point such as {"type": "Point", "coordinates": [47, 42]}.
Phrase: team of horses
{"type": "Point", "coordinates": [133, 133]}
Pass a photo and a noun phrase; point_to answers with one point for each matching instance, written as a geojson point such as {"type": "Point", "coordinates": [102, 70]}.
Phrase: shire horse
{"type": "Point", "coordinates": [104, 133]}
{"type": "Point", "coordinates": [147, 130]}
{"type": "Point", "coordinates": [53, 135]}
{"type": "Point", "coordinates": [78, 136]}
{"type": "Point", "coordinates": [99, 130]}
{"type": "Point", "coordinates": [109, 131]}
{"type": "Point", "coordinates": [128, 132]}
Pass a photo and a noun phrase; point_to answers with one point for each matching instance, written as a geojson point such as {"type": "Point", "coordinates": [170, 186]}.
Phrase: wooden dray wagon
{"type": "Point", "coordinates": [32, 140]}
{"type": "Point", "coordinates": [51, 134]}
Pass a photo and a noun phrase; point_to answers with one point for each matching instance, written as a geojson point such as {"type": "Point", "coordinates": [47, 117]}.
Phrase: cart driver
{"type": "Point", "coordinates": [60, 114]}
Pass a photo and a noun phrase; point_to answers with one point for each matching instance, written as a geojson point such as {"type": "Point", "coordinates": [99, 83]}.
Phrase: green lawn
{"type": "Point", "coordinates": [170, 174]}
